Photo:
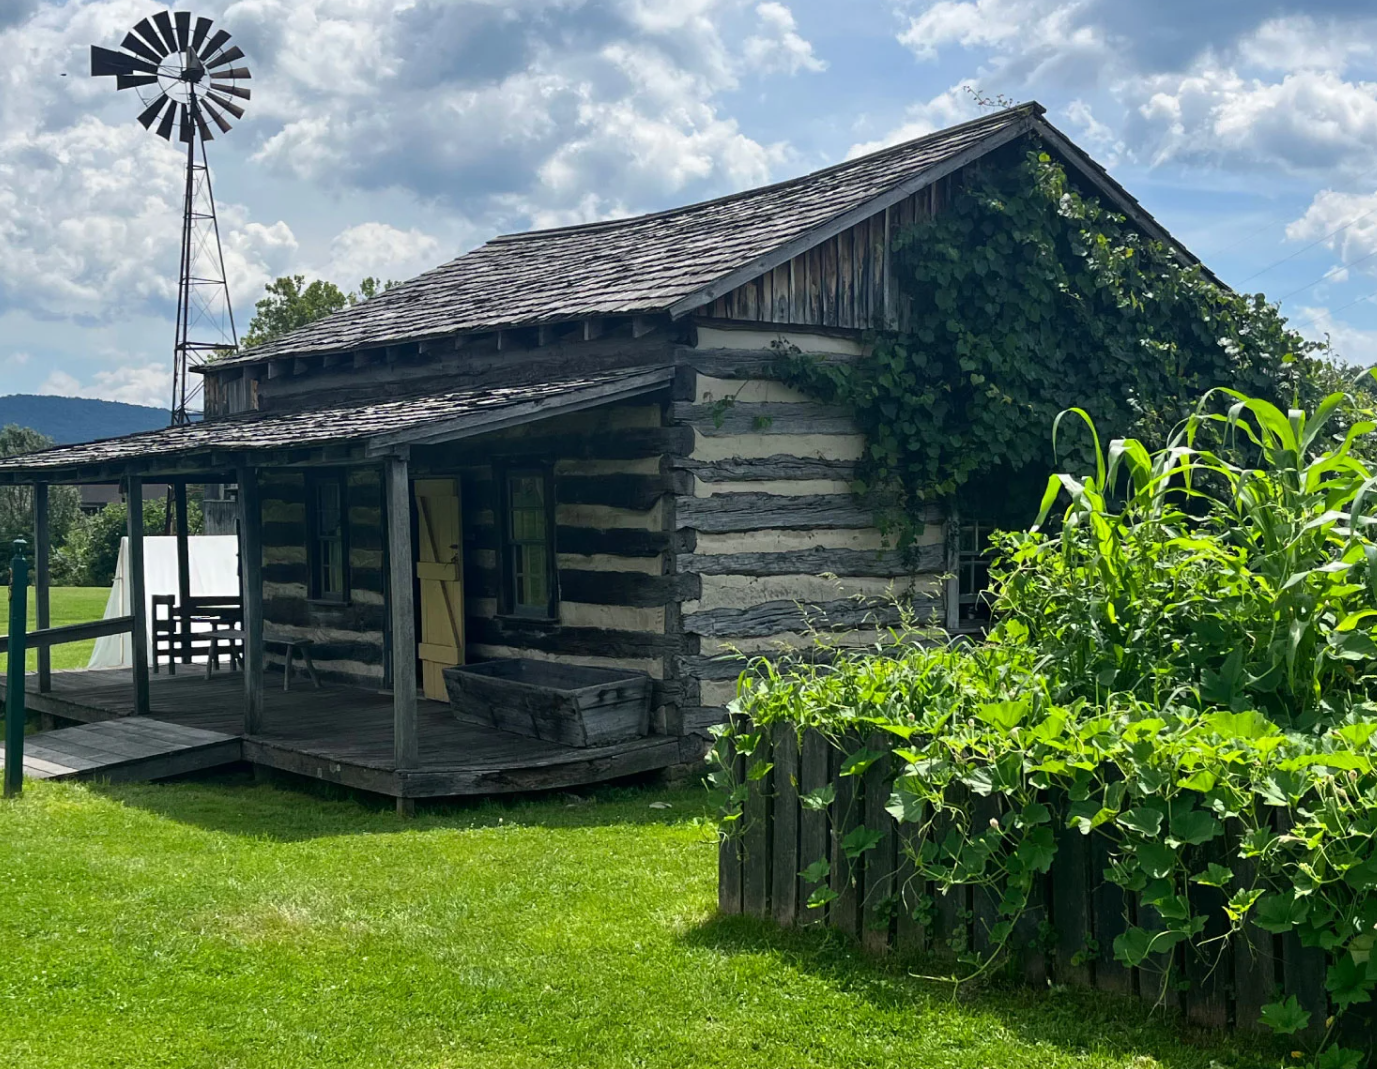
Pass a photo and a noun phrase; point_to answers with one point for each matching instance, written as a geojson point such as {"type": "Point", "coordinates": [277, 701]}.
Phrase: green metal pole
{"type": "Point", "coordinates": [14, 694]}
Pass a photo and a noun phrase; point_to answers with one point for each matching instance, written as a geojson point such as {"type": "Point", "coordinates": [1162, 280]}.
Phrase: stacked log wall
{"type": "Point", "coordinates": [614, 506]}
{"type": "Point", "coordinates": [347, 636]}
{"type": "Point", "coordinates": [773, 547]}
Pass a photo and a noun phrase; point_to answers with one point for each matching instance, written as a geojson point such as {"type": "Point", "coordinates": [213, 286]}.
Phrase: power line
{"type": "Point", "coordinates": [1311, 320]}
{"type": "Point", "coordinates": [1278, 215]}
{"type": "Point", "coordinates": [1307, 248]}
{"type": "Point", "coordinates": [1323, 277]}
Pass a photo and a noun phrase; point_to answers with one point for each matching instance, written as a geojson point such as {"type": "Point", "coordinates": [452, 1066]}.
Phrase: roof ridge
{"type": "Point", "coordinates": [1031, 107]}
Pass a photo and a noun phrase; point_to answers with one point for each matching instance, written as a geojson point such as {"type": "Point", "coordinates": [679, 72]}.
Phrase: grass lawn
{"type": "Point", "coordinates": [222, 923]}
{"type": "Point", "coordinates": [70, 605]}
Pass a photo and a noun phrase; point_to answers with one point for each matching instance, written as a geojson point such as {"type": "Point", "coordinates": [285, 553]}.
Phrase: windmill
{"type": "Point", "coordinates": [185, 74]}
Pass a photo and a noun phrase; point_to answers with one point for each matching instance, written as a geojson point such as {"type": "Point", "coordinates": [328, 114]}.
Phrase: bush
{"type": "Point", "coordinates": [1184, 667]}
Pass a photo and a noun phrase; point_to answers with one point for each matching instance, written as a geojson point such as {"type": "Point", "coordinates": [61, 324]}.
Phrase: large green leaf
{"type": "Point", "coordinates": [1193, 826]}
{"type": "Point", "coordinates": [1280, 912]}
{"type": "Point", "coordinates": [1285, 1017]}
{"type": "Point", "coordinates": [1349, 981]}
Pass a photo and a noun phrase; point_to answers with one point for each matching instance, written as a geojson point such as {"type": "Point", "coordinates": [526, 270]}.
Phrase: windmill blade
{"type": "Point", "coordinates": [145, 29]}
{"type": "Point", "coordinates": [134, 44]}
{"type": "Point", "coordinates": [150, 114]}
{"type": "Point", "coordinates": [229, 106]}
{"type": "Point", "coordinates": [232, 90]}
{"type": "Point", "coordinates": [206, 135]}
{"type": "Point", "coordinates": [228, 56]}
{"type": "Point", "coordinates": [203, 26]}
{"type": "Point", "coordinates": [163, 21]}
{"type": "Point", "coordinates": [216, 43]}
{"type": "Point", "coordinates": [188, 131]}
{"type": "Point", "coordinates": [133, 81]}
{"type": "Point", "coordinates": [234, 72]}
{"type": "Point", "coordinates": [107, 63]}
{"type": "Point", "coordinates": [183, 21]}
{"type": "Point", "coordinates": [216, 117]}
{"type": "Point", "coordinates": [165, 127]}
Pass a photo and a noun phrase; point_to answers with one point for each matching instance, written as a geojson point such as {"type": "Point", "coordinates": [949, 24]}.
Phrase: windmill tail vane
{"type": "Point", "coordinates": [188, 77]}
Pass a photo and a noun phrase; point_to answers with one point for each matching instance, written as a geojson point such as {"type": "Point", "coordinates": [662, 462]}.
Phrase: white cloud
{"type": "Point", "coordinates": [1343, 222]}
{"type": "Point", "coordinates": [527, 105]}
{"type": "Point", "coordinates": [778, 46]}
{"type": "Point", "coordinates": [379, 250]}
{"type": "Point", "coordinates": [956, 105]}
{"type": "Point", "coordinates": [1310, 119]}
{"type": "Point", "coordinates": [148, 384]}
{"type": "Point", "coordinates": [1351, 344]}
{"type": "Point", "coordinates": [1030, 39]}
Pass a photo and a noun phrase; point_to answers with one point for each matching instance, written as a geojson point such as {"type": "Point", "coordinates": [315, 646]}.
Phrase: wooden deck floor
{"type": "Point", "coordinates": [344, 735]}
{"type": "Point", "coordinates": [131, 748]}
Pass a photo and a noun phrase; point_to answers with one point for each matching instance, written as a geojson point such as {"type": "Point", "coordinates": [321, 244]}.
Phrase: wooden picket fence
{"type": "Point", "coordinates": [1066, 938]}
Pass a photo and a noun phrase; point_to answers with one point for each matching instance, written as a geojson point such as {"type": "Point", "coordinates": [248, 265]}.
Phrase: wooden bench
{"type": "Point", "coordinates": [234, 637]}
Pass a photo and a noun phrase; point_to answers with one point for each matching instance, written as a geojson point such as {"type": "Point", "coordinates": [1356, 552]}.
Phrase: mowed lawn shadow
{"type": "Point", "coordinates": [292, 809]}
{"type": "Point", "coordinates": [1075, 1021]}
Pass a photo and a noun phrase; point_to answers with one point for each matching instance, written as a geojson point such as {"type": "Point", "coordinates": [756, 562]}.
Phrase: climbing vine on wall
{"type": "Point", "coordinates": [1024, 298]}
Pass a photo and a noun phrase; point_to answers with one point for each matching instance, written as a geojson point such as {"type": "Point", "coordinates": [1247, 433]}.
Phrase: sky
{"type": "Point", "coordinates": [387, 136]}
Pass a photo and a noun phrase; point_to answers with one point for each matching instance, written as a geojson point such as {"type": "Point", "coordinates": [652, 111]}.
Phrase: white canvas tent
{"type": "Point", "coordinates": [214, 571]}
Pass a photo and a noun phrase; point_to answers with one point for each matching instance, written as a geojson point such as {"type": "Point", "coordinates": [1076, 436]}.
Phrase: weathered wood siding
{"type": "Point", "coordinates": [613, 513]}
{"type": "Point", "coordinates": [348, 636]}
{"type": "Point", "coordinates": [771, 543]}
{"type": "Point", "coordinates": [843, 282]}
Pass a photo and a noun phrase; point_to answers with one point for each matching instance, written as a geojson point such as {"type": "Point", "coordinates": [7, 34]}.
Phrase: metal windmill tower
{"type": "Point", "coordinates": [185, 74]}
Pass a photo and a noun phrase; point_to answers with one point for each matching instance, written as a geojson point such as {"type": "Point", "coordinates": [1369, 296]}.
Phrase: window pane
{"type": "Point", "coordinates": [328, 519]}
{"type": "Point", "coordinates": [532, 582]}
{"type": "Point", "coordinates": [528, 525]}
{"type": "Point", "coordinates": [527, 491]}
{"type": "Point", "coordinates": [528, 552]}
{"type": "Point", "coordinates": [329, 568]}
{"type": "Point", "coordinates": [334, 568]}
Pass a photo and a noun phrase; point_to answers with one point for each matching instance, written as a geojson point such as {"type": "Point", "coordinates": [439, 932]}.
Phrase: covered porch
{"type": "Point", "coordinates": [371, 725]}
{"type": "Point", "coordinates": [344, 735]}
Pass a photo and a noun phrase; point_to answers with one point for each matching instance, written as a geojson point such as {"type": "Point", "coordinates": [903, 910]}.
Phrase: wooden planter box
{"type": "Point", "coordinates": [562, 703]}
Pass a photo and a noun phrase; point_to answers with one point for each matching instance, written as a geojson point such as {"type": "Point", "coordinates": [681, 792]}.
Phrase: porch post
{"type": "Point", "coordinates": [42, 580]}
{"type": "Point", "coordinates": [183, 573]}
{"type": "Point", "coordinates": [251, 580]}
{"type": "Point", "coordinates": [398, 491]}
{"type": "Point", "coordinates": [138, 641]}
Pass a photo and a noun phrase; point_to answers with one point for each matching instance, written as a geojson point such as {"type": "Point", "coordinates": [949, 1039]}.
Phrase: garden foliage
{"type": "Point", "coordinates": [1184, 665]}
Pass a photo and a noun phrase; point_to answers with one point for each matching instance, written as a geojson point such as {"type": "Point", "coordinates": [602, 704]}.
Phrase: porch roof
{"type": "Point", "coordinates": [380, 428]}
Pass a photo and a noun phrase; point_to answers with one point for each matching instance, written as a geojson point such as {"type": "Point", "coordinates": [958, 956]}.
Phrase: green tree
{"type": "Point", "coordinates": [16, 504]}
{"type": "Point", "coordinates": [292, 303]}
{"type": "Point", "coordinates": [94, 546]}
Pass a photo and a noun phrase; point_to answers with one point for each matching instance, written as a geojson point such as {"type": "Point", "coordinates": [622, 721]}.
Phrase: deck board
{"type": "Point", "coordinates": [337, 733]}
{"type": "Point", "coordinates": [130, 748]}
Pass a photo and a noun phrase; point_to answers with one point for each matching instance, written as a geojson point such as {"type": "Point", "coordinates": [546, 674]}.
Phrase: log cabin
{"type": "Point", "coordinates": [563, 448]}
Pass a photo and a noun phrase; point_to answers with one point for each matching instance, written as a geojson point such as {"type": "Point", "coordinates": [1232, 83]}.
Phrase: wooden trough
{"type": "Point", "coordinates": [569, 704]}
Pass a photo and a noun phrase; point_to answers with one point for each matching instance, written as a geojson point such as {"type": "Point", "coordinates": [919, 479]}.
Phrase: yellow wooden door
{"type": "Point", "coordinates": [440, 571]}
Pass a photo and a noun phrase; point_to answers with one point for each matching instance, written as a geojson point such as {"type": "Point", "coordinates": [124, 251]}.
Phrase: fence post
{"type": "Point", "coordinates": [14, 694]}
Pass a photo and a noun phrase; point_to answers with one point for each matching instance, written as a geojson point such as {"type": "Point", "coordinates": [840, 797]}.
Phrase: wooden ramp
{"type": "Point", "coordinates": [131, 748]}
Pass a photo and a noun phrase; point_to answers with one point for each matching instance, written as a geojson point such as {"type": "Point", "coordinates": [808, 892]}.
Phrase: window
{"type": "Point", "coordinates": [973, 573]}
{"type": "Point", "coordinates": [528, 559]}
{"type": "Point", "coordinates": [328, 542]}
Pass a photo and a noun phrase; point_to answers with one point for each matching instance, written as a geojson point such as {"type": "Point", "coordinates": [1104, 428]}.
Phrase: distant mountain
{"type": "Point", "coordinates": [78, 419]}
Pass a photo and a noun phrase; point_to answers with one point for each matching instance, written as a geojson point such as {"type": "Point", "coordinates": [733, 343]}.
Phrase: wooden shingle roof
{"type": "Point", "coordinates": [678, 260]}
{"type": "Point", "coordinates": [641, 265]}
{"type": "Point", "coordinates": [383, 426]}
